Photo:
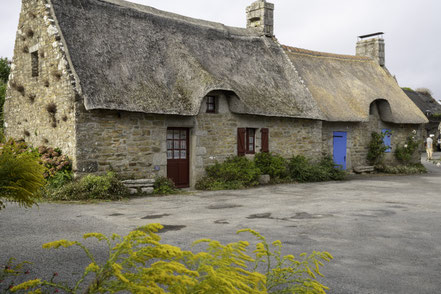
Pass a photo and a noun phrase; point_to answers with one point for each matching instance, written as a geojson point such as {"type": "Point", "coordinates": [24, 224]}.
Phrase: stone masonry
{"type": "Point", "coordinates": [39, 105]}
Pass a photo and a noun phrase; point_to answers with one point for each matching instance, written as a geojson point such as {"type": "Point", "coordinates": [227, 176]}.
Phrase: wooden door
{"type": "Point", "coordinates": [178, 156]}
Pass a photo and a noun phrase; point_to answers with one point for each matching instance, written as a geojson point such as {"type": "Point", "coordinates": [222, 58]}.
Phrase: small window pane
{"type": "Point", "coordinates": [183, 145]}
{"type": "Point", "coordinates": [176, 145]}
{"type": "Point", "coordinates": [169, 134]}
{"type": "Point", "coordinates": [176, 154]}
{"type": "Point", "coordinates": [169, 144]}
{"type": "Point", "coordinates": [183, 154]}
{"type": "Point", "coordinates": [176, 132]}
{"type": "Point", "coordinates": [169, 154]}
{"type": "Point", "coordinates": [251, 147]}
{"type": "Point", "coordinates": [183, 135]}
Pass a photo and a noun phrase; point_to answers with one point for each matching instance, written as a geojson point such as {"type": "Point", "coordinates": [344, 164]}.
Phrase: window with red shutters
{"type": "Point", "coordinates": [265, 143]}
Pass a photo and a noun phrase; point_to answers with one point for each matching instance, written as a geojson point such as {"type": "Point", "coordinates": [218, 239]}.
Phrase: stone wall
{"type": "Point", "coordinates": [40, 80]}
{"type": "Point", "coordinates": [134, 144]}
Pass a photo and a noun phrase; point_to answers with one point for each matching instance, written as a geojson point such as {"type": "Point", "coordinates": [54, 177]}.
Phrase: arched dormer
{"type": "Point", "coordinates": [382, 109]}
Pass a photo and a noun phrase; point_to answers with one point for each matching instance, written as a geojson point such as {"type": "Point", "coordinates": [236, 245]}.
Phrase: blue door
{"type": "Point", "coordinates": [340, 142]}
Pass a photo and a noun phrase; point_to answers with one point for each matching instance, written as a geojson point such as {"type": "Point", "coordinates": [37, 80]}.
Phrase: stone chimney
{"type": "Point", "coordinates": [372, 47]}
{"type": "Point", "coordinates": [260, 16]}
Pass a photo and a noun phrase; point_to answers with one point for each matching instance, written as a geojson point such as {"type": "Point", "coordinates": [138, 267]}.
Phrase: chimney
{"type": "Point", "coordinates": [260, 16]}
{"type": "Point", "coordinates": [372, 47]}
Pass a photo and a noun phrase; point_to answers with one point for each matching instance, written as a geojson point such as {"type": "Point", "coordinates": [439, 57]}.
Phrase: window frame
{"type": "Point", "coordinates": [211, 103]}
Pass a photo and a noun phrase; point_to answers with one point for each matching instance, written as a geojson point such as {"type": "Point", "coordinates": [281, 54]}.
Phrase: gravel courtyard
{"type": "Point", "coordinates": [383, 231]}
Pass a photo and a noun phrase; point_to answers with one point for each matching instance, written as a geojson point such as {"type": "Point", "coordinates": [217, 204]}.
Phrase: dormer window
{"type": "Point", "coordinates": [211, 104]}
{"type": "Point", "coordinates": [34, 63]}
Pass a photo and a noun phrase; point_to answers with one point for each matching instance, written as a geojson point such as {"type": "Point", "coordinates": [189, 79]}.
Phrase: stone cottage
{"type": "Point", "coordinates": [121, 86]}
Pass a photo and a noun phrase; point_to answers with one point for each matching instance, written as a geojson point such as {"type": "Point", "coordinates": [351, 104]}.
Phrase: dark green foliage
{"type": "Point", "coordinates": [5, 69]}
{"type": "Point", "coordinates": [90, 187]}
{"type": "Point", "coordinates": [409, 169]}
{"type": "Point", "coordinates": [376, 148]}
{"type": "Point", "coordinates": [234, 173]}
{"type": "Point", "coordinates": [60, 179]}
{"type": "Point", "coordinates": [164, 186]}
{"type": "Point", "coordinates": [21, 175]}
{"type": "Point", "coordinates": [271, 164]}
{"type": "Point", "coordinates": [407, 89]}
{"type": "Point", "coordinates": [404, 154]}
{"type": "Point", "coordinates": [302, 169]}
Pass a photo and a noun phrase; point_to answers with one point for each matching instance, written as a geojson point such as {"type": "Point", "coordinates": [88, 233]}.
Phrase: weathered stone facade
{"type": "Point", "coordinates": [359, 136]}
{"type": "Point", "coordinates": [134, 144]}
{"type": "Point", "coordinates": [39, 106]}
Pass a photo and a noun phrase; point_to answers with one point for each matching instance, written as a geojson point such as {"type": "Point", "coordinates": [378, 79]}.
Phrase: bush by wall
{"type": "Point", "coordinates": [164, 186]}
{"type": "Point", "coordinates": [105, 187]}
{"type": "Point", "coordinates": [405, 153]}
{"type": "Point", "coordinates": [234, 173]}
{"type": "Point", "coordinates": [408, 169]}
{"type": "Point", "coordinates": [273, 165]}
{"type": "Point", "coordinates": [140, 263]}
{"type": "Point", "coordinates": [302, 170]}
{"type": "Point", "coordinates": [376, 148]}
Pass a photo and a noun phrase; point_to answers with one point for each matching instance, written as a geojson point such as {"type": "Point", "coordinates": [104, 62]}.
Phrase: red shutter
{"type": "Point", "coordinates": [241, 141]}
{"type": "Point", "coordinates": [265, 145]}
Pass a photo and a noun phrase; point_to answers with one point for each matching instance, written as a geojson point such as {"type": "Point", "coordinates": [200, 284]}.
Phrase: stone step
{"type": "Point", "coordinates": [140, 181]}
{"type": "Point", "coordinates": [364, 169]}
{"type": "Point", "coordinates": [138, 185]}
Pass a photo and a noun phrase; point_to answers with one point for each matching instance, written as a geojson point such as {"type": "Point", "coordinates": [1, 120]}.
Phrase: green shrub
{"type": "Point", "coordinates": [302, 169]}
{"type": "Point", "coordinates": [164, 186]}
{"type": "Point", "coordinates": [409, 169]}
{"type": "Point", "coordinates": [89, 187]}
{"type": "Point", "coordinates": [376, 148]}
{"type": "Point", "coordinates": [273, 165]}
{"type": "Point", "coordinates": [21, 175]}
{"type": "Point", "coordinates": [405, 153]}
{"type": "Point", "coordinates": [60, 179]}
{"type": "Point", "coordinates": [234, 173]}
{"type": "Point", "coordinates": [140, 263]}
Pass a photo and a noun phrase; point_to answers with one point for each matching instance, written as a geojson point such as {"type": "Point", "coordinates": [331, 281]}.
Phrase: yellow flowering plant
{"type": "Point", "coordinates": [140, 263]}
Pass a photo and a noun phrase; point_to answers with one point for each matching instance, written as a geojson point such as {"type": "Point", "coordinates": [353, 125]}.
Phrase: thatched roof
{"type": "Point", "coordinates": [426, 103]}
{"type": "Point", "coordinates": [344, 86]}
{"type": "Point", "coordinates": [136, 58]}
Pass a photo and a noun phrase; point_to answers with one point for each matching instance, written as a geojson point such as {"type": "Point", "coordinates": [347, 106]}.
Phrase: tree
{"type": "Point", "coordinates": [5, 69]}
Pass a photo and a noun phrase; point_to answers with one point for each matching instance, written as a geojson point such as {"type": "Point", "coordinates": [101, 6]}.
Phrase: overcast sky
{"type": "Point", "coordinates": [412, 29]}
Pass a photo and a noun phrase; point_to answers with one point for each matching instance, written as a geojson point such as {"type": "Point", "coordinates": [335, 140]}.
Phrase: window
{"type": "Point", "coordinates": [34, 63]}
{"type": "Point", "coordinates": [246, 141]}
{"type": "Point", "coordinates": [387, 139]}
{"type": "Point", "coordinates": [211, 104]}
{"type": "Point", "coordinates": [177, 144]}
{"type": "Point", "coordinates": [250, 146]}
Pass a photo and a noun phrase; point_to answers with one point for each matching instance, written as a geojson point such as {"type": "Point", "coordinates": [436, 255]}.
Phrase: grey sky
{"type": "Point", "coordinates": [413, 29]}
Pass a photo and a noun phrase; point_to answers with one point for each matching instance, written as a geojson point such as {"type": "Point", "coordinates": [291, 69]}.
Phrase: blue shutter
{"type": "Point", "coordinates": [387, 139]}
